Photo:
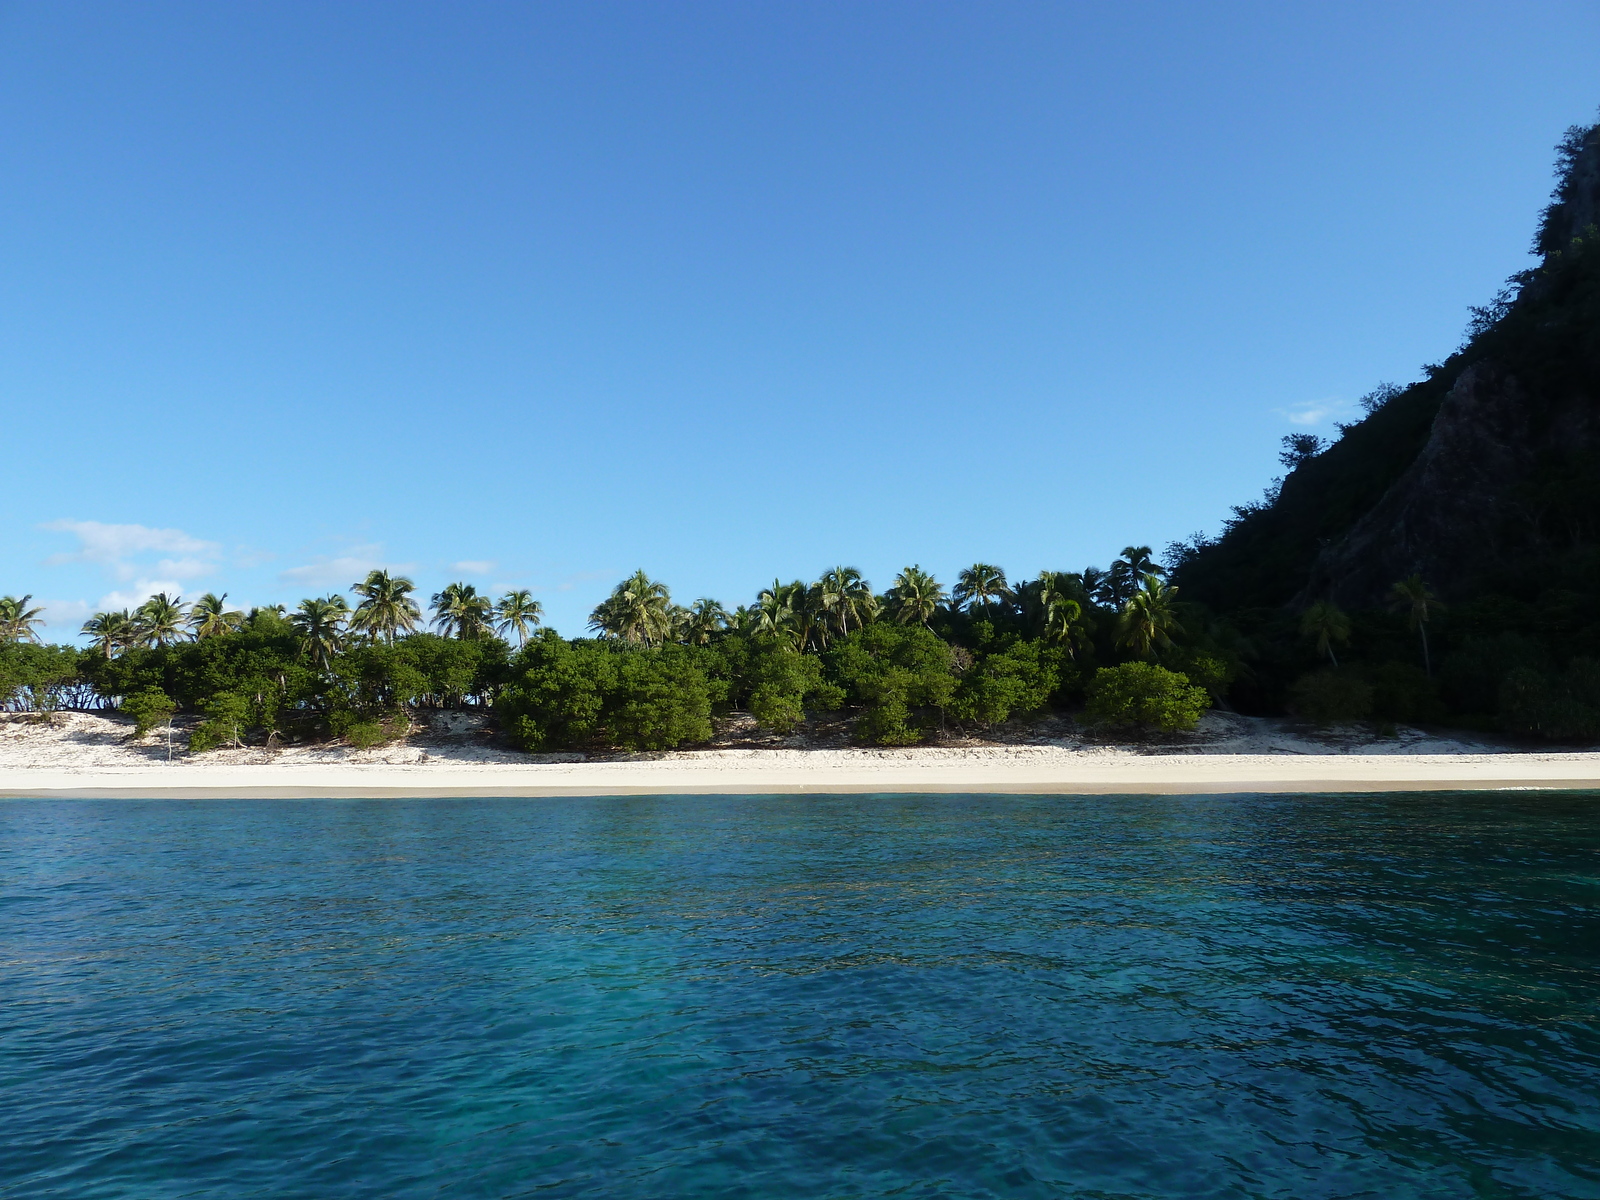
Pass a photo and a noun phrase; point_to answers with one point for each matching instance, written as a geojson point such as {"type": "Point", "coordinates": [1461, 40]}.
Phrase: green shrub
{"type": "Point", "coordinates": [898, 675]}
{"type": "Point", "coordinates": [784, 684]}
{"type": "Point", "coordinates": [148, 709]}
{"type": "Point", "coordinates": [1560, 707]}
{"type": "Point", "coordinates": [1210, 671]}
{"type": "Point", "coordinates": [557, 695]}
{"type": "Point", "coordinates": [568, 694]}
{"type": "Point", "coordinates": [1403, 693]}
{"type": "Point", "coordinates": [37, 678]}
{"type": "Point", "coordinates": [1018, 679]}
{"type": "Point", "coordinates": [660, 700]}
{"type": "Point", "coordinates": [1330, 695]}
{"type": "Point", "coordinates": [1144, 696]}
{"type": "Point", "coordinates": [364, 735]}
{"type": "Point", "coordinates": [779, 710]}
{"type": "Point", "coordinates": [1470, 679]}
{"type": "Point", "coordinates": [227, 716]}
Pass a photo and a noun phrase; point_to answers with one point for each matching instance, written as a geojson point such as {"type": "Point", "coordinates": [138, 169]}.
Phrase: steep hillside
{"type": "Point", "coordinates": [1484, 478]}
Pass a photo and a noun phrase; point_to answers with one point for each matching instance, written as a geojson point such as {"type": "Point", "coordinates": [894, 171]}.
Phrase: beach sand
{"type": "Point", "coordinates": [89, 755]}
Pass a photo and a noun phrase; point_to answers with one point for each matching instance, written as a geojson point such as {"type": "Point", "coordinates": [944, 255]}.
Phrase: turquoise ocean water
{"type": "Point", "coordinates": [1223, 996]}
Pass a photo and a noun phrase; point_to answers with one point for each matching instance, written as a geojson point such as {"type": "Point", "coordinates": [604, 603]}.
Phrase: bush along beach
{"type": "Point", "coordinates": [897, 666]}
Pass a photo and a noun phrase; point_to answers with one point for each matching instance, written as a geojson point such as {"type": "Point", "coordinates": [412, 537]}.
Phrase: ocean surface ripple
{"type": "Point", "coordinates": [806, 996]}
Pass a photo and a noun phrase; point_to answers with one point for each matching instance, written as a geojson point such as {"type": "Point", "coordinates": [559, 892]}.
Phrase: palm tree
{"type": "Point", "coordinates": [978, 585]}
{"type": "Point", "coordinates": [777, 611]}
{"type": "Point", "coordinates": [1064, 625]}
{"type": "Point", "coordinates": [1147, 620]}
{"type": "Point", "coordinates": [1413, 598]}
{"type": "Point", "coordinates": [210, 615]}
{"type": "Point", "coordinates": [847, 598]}
{"type": "Point", "coordinates": [17, 620]}
{"type": "Point", "coordinates": [1328, 625]}
{"type": "Point", "coordinates": [460, 610]}
{"type": "Point", "coordinates": [386, 607]}
{"type": "Point", "coordinates": [519, 611]}
{"type": "Point", "coordinates": [1061, 600]}
{"type": "Point", "coordinates": [320, 624]}
{"type": "Point", "coordinates": [705, 619]}
{"type": "Point", "coordinates": [1128, 572]}
{"type": "Point", "coordinates": [161, 620]}
{"type": "Point", "coordinates": [915, 596]}
{"type": "Point", "coordinates": [636, 611]}
{"type": "Point", "coordinates": [110, 632]}
{"type": "Point", "coordinates": [1097, 585]}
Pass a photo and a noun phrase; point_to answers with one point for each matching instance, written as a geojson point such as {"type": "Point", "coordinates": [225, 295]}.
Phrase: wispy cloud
{"type": "Point", "coordinates": [68, 613]}
{"type": "Point", "coordinates": [116, 547]}
{"type": "Point", "coordinates": [1317, 412]}
{"type": "Point", "coordinates": [343, 570]}
{"type": "Point", "coordinates": [475, 566]}
{"type": "Point", "coordinates": [137, 593]}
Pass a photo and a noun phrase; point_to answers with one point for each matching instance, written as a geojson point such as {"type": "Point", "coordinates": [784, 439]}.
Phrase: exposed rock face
{"type": "Point", "coordinates": [1454, 508]}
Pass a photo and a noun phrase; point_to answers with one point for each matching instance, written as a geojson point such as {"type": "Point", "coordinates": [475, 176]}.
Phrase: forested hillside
{"type": "Point", "coordinates": [1481, 482]}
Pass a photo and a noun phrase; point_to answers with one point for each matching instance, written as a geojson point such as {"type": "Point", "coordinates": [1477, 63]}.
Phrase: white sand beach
{"type": "Point", "coordinates": [81, 754]}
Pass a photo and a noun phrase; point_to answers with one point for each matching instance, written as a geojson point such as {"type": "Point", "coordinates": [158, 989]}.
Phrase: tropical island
{"type": "Point", "coordinates": [1435, 565]}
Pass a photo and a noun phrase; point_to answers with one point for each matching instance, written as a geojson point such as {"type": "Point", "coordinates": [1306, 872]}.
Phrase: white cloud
{"type": "Point", "coordinates": [71, 613]}
{"type": "Point", "coordinates": [101, 543]}
{"type": "Point", "coordinates": [475, 566]}
{"type": "Point", "coordinates": [1317, 412]}
{"type": "Point", "coordinates": [138, 593]}
{"type": "Point", "coordinates": [341, 572]}
{"type": "Point", "coordinates": [184, 568]}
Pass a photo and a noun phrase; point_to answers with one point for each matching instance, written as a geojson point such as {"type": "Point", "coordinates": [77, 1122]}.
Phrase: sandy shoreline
{"type": "Point", "coordinates": [85, 755]}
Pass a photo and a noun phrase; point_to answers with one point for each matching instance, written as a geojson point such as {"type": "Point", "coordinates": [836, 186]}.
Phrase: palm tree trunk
{"type": "Point", "coordinates": [1427, 662]}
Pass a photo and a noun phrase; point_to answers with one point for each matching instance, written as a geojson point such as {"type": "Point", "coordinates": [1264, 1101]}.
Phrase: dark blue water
{"type": "Point", "coordinates": [1391, 996]}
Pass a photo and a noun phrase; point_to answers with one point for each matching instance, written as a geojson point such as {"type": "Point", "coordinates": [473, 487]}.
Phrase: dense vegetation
{"type": "Point", "coordinates": [1517, 647]}
{"type": "Point", "coordinates": [896, 665]}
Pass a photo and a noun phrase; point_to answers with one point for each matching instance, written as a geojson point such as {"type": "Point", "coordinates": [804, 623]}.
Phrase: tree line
{"type": "Point", "coordinates": [1118, 646]}
{"type": "Point", "coordinates": [897, 665]}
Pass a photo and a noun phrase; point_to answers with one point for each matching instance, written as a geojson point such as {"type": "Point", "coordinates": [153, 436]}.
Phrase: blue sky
{"type": "Point", "coordinates": [536, 295]}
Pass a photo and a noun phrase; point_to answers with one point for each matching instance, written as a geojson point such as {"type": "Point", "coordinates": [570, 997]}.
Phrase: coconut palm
{"type": "Point", "coordinates": [1128, 572]}
{"type": "Point", "coordinates": [386, 609]}
{"type": "Point", "coordinates": [1147, 620]}
{"type": "Point", "coordinates": [1097, 585]}
{"type": "Point", "coordinates": [1061, 599]}
{"type": "Point", "coordinates": [1412, 597]}
{"type": "Point", "coordinates": [703, 621]}
{"type": "Point", "coordinates": [636, 611]}
{"type": "Point", "coordinates": [978, 586]}
{"type": "Point", "coordinates": [811, 616]}
{"type": "Point", "coordinates": [320, 624]}
{"type": "Point", "coordinates": [778, 611]}
{"type": "Point", "coordinates": [17, 620]}
{"type": "Point", "coordinates": [521, 612]}
{"type": "Point", "coordinates": [1328, 625]}
{"type": "Point", "coordinates": [161, 620]}
{"type": "Point", "coordinates": [1065, 625]}
{"type": "Point", "coordinates": [915, 596]}
{"type": "Point", "coordinates": [461, 611]}
{"type": "Point", "coordinates": [210, 615]}
{"type": "Point", "coordinates": [110, 632]}
{"type": "Point", "coordinates": [847, 599]}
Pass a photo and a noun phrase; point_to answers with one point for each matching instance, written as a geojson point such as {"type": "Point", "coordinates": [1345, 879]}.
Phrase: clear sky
{"type": "Point", "coordinates": [535, 295]}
